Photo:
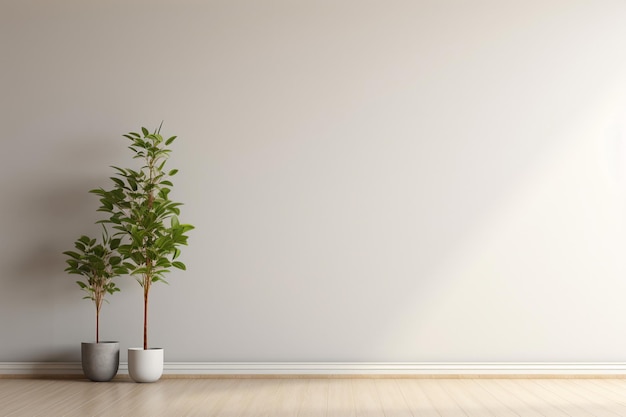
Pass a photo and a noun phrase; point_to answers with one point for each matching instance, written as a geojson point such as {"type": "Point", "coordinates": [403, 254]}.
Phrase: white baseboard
{"type": "Point", "coordinates": [339, 368]}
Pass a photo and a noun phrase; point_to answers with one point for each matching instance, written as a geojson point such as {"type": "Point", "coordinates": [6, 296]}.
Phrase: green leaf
{"type": "Point", "coordinates": [163, 193]}
{"type": "Point", "coordinates": [163, 262]}
{"type": "Point", "coordinates": [179, 265]}
{"type": "Point", "coordinates": [118, 181]}
{"type": "Point", "coordinates": [145, 131]}
{"type": "Point", "coordinates": [138, 271]}
{"type": "Point", "coordinates": [172, 172]}
{"type": "Point", "coordinates": [170, 140]}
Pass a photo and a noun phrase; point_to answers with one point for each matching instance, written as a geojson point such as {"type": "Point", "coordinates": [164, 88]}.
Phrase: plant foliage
{"type": "Point", "coordinates": [98, 262]}
{"type": "Point", "coordinates": [143, 215]}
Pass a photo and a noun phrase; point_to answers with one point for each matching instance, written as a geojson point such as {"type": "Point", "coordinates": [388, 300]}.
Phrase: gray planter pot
{"type": "Point", "coordinates": [100, 360]}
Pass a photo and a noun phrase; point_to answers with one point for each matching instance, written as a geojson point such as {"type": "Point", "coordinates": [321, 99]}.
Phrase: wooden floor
{"type": "Point", "coordinates": [332, 397]}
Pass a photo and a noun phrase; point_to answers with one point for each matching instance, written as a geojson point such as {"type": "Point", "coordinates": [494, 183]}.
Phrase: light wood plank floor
{"type": "Point", "coordinates": [316, 397]}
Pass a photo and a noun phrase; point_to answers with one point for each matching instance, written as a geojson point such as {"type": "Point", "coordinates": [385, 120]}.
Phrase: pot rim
{"type": "Point", "coordinates": [139, 348]}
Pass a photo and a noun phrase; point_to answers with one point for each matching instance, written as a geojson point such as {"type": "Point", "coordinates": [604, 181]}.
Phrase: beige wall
{"type": "Point", "coordinates": [370, 180]}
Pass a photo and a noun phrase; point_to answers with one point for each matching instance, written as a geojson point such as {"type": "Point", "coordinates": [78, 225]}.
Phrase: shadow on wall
{"type": "Point", "coordinates": [51, 214]}
{"type": "Point", "coordinates": [50, 206]}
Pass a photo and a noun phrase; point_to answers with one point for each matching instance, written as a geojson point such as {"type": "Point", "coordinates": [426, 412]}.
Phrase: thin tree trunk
{"type": "Point", "coordinates": [97, 326]}
{"type": "Point", "coordinates": [98, 307]}
{"type": "Point", "coordinates": [146, 290]}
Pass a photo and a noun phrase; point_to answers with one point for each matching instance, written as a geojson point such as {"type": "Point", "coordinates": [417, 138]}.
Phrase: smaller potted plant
{"type": "Point", "coordinates": [98, 263]}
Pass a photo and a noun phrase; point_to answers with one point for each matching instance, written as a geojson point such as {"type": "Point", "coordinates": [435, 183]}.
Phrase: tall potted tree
{"type": "Point", "coordinates": [146, 220]}
{"type": "Point", "coordinates": [98, 263]}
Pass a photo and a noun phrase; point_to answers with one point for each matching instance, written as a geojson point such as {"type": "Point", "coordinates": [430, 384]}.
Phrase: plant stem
{"type": "Point", "coordinates": [98, 306]}
{"type": "Point", "coordinates": [146, 290]}
{"type": "Point", "coordinates": [148, 276]}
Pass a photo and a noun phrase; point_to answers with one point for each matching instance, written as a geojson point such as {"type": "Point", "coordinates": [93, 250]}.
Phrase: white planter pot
{"type": "Point", "coordinates": [100, 360]}
{"type": "Point", "coordinates": [145, 365]}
